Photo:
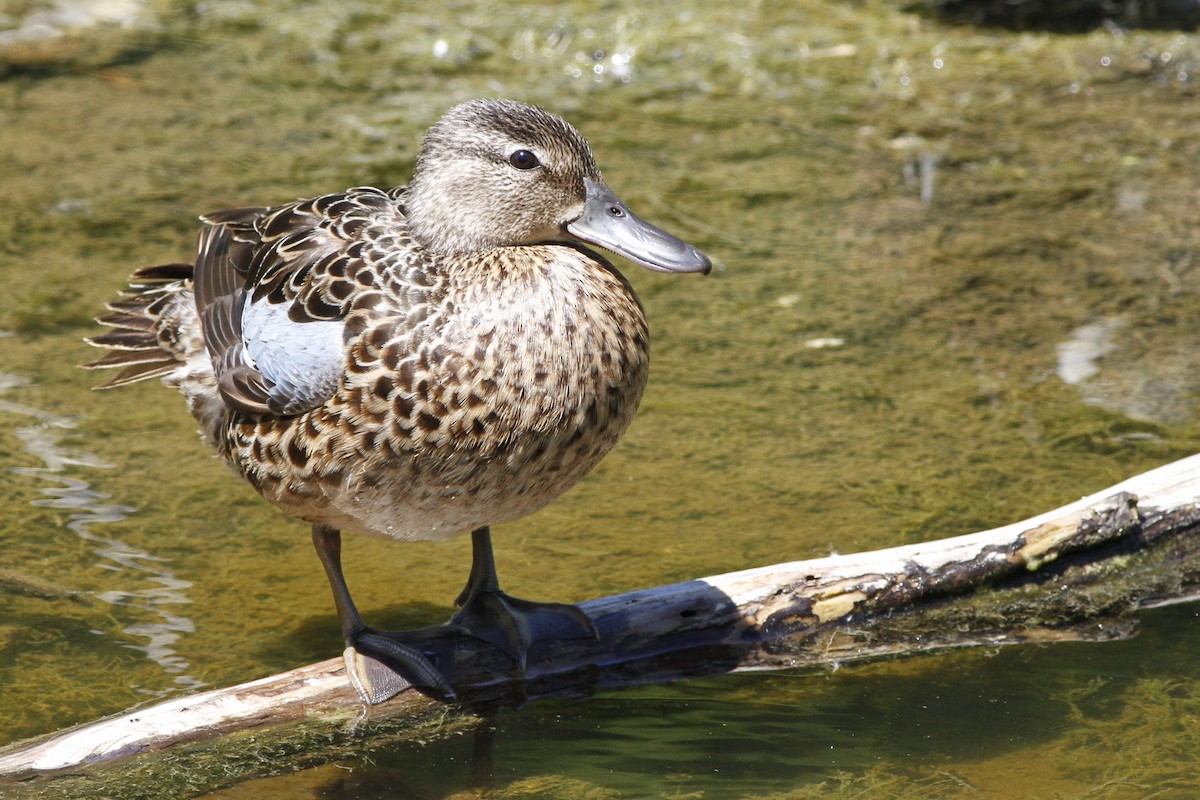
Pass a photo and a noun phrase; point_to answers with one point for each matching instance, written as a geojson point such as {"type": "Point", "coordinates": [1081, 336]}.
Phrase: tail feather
{"type": "Point", "coordinates": [136, 340]}
{"type": "Point", "coordinates": [124, 358]}
{"type": "Point", "coordinates": [145, 341]}
{"type": "Point", "coordinates": [137, 372]}
{"type": "Point", "coordinates": [127, 319]}
{"type": "Point", "coordinates": [161, 273]}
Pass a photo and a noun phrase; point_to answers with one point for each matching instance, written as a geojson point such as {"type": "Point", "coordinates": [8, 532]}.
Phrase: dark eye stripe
{"type": "Point", "coordinates": [524, 159]}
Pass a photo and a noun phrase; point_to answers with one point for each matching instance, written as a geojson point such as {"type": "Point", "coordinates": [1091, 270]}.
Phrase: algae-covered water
{"type": "Point", "coordinates": [957, 284]}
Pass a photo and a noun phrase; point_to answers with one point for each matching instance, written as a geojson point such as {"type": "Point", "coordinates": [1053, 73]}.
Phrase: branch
{"type": "Point", "coordinates": [1128, 547]}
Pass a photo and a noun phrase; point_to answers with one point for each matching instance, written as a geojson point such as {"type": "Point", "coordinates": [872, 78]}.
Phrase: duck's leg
{"type": "Point", "coordinates": [507, 622]}
{"type": "Point", "coordinates": [381, 665]}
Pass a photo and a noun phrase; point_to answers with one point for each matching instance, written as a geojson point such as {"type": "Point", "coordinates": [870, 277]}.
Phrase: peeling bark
{"type": "Point", "coordinates": [1080, 572]}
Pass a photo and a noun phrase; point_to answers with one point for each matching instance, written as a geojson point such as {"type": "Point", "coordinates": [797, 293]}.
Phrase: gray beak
{"type": "Point", "coordinates": [607, 222]}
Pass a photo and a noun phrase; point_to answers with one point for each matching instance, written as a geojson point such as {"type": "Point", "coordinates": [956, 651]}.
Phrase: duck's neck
{"type": "Point", "coordinates": [447, 217]}
{"type": "Point", "coordinates": [438, 226]}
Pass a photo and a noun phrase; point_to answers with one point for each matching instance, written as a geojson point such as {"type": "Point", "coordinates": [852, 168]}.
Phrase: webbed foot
{"type": "Point", "coordinates": [514, 625]}
{"type": "Point", "coordinates": [381, 664]}
{"type": "Point", "coordinates": [509, 623]}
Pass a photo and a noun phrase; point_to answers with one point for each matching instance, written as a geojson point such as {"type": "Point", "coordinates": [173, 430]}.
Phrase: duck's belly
{"type": "Point", "coordinates": [479, 421]}
{"type": "Point", "coordinates": [351, 474]}
{"type": "Point", "coordinates": [434, 497]}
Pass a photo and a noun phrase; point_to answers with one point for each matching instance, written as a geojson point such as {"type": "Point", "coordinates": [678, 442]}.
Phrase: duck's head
{"type": "Point", "coordinates": [496, 173]}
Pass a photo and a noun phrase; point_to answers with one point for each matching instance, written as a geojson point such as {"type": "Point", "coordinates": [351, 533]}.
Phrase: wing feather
{"type": "Point", "coordinates": [274, 287]}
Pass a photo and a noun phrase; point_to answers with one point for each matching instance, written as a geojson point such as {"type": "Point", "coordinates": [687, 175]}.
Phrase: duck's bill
{"type": "Point", "coordinates": [607, 222]}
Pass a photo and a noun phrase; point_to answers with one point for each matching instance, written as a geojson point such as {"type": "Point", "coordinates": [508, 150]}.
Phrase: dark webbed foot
{"type": "Point", "coordinates": [509, 623]}
{"type": "Point", "coordinates": [381, 664]}
{"type": "Point", "coordinates": [514, 625]}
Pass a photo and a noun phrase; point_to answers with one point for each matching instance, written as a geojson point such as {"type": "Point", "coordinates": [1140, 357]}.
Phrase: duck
{"type": "Point", "coordinates": [416, 362]}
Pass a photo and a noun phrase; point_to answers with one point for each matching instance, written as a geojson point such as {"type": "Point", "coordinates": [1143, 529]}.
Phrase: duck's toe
{"type": "Point", "coordinates": [383, 664]}
{"type": "Point", "coordinates": [514, 625]}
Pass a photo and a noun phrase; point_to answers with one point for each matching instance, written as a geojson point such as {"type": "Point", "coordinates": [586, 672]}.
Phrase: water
{"type": "Point", "coordinates": [89, 508]}
{"type": "Point", "coordinates": [999, 724]}
{"type": "Point", "coordinates": [909, 221]}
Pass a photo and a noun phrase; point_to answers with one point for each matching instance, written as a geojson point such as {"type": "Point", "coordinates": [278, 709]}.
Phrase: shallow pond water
{"type": "Point", "coordinates": [912, 222]}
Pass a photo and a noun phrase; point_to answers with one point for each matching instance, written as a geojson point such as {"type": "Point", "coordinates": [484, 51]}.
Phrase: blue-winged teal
{"type": "Point", "coordinates": [416, 362]}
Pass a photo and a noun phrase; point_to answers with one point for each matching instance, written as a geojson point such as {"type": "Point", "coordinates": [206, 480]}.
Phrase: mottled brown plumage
{"type": "Point", "coordinates": [414, 363]}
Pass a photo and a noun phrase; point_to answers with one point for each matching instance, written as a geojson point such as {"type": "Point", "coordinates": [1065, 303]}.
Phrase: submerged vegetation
{"type": "Point", "coordinates": [909, 217]}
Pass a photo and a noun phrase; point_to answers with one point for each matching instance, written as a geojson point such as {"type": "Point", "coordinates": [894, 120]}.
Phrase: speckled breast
{"type": "Point", "coordinates": [474, 401]}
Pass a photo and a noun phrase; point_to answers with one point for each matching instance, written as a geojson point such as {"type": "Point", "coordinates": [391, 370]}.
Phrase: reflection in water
{"type": "Point", "coordinates": [1110, 363]}
{"type": "Point", "coordinates": [88, 507]}
{"type": "Point", "coordinates": [1089, 343]}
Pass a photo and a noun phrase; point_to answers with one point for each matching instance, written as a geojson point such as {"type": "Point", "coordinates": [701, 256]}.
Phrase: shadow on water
{"type": "Point", "coordinates": [319, 633]}
{"type": "Point", "coordinates": [1068, 16]}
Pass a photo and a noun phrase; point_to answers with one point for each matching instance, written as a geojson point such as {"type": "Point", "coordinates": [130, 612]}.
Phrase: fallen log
{"type": "Point", "coordinates": [1080, 572]}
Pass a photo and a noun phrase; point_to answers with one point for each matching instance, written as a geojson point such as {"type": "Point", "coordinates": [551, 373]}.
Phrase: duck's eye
{"type": "Point", "coordinates": [524, 159]}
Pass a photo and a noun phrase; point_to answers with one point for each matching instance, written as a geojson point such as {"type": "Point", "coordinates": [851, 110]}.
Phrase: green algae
{"type": "Point", "coordinates": [196, 769]}
{"type": "Point", "coordinates": [789, 143]}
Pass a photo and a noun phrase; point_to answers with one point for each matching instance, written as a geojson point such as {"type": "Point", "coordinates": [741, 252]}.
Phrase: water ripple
{"type": "Point", "coordinates": [159, 588]}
